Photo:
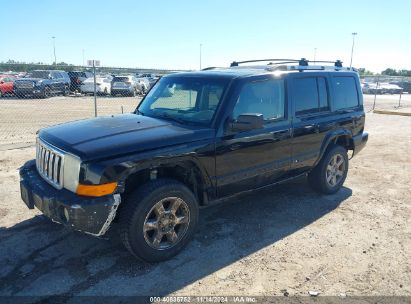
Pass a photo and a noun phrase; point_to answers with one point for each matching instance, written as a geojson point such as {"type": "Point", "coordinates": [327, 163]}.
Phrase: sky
{"type": "Point", "coordinates": [167, 34]}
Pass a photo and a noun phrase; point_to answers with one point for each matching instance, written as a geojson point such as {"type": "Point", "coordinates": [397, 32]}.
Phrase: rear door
{"type": "Point", "coordinates": [312, 119]}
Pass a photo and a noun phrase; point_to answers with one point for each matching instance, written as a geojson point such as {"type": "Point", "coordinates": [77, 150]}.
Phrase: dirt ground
{"type": "Point", "coordinates": [287, 239]}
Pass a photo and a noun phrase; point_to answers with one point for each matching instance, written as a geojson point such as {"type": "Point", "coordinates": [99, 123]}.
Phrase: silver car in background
{"type": "Point", "coordinates": [103, 85]}
{"type": "Point", "coordinates": [125, 85]}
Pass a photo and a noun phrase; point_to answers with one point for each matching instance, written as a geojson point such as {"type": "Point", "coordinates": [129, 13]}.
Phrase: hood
{"type": "Point", "coordinates": [109, 136]}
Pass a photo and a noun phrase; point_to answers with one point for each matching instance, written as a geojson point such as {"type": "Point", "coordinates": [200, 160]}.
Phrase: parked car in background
{"type": "Point", "coordinates": [125, 85]}
{"type": "Point", "coordinates": [42, 83]}
{"type": "Point", "coordinates": [390, 88]}
{"type": "Point", "coordinates": [152, 78]}
{"type": "Point", "coordinates": [144, 84]}
{"type": "Point", "coordinates": [6, 84]}
{"type": "Point", "coordinates": [405, 85]}
{"type": "Point", "coordinates": [103, 85]}
{"type": "Point", "coordinates": [77, 78]}
{"type": "Point", "coordinates": [371, 88]}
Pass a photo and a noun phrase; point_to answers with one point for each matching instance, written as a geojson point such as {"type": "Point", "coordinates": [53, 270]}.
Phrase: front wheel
{"type": "Point", "coordinates": [46, 92]}
{"type": "Point", "coordinates": [66, 91]}
{"type": "Point", "coordinates": [330, 173]}
{"type": "Point", "coordinates": [158, 220]}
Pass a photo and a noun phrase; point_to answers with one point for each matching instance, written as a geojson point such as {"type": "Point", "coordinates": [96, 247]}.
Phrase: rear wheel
{"type": "Point", "coordinates": [158, 220]}
{"type": "Point", "coordinates": [330, 173]}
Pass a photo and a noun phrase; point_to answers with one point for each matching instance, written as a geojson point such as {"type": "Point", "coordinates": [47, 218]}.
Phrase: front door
{"type": "Point", "coordinates": [251, 159]}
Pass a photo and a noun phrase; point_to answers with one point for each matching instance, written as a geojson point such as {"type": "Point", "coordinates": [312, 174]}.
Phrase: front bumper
{"type": "Point", "coordinates": [28, 92]}
{"type": "Point", "coordinates": [91, 215]}
{"type": "Point", "coordinates": [360, 141]}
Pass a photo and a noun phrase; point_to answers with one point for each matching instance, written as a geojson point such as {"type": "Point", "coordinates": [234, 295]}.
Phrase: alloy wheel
{"type": "Point", "coordinates": [335, 170]}
{"type": "Point", "coordinates": [166, 223]}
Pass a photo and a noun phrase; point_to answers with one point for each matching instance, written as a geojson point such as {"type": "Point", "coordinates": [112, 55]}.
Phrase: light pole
{"type": "Point", "coordinates": [54, 49]}
{"type": "Point", "coordinates": [315, 54]}
{"type": "Point", "coordinates": [352, 49]}
{"type": "Point", "coordinates": [201, 46]}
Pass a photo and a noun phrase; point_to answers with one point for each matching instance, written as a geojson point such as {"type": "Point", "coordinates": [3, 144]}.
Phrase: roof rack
{"type": "Point", "coordinates": [302, 64]}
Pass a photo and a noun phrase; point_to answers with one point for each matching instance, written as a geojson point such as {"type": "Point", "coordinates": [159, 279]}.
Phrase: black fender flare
{"type": "Point", "coordinates": [332, 138]}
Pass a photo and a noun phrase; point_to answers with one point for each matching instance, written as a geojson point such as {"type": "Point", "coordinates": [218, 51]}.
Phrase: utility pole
{"type": "Point", "coordinates": [352, 49]}
{"type": "Point", "coordinates": [54, 49]}
{"type": "Point", "coordinates": [201, 46]}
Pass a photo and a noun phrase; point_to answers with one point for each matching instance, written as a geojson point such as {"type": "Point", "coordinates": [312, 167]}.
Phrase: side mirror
{"type": "Point", "coordinates": [248, 122]}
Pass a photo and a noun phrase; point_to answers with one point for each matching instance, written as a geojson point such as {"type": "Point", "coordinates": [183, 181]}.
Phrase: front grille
{"type": "Point", "coordinates": [24, 84]}
{"type": "Point", "coordinates": [49, 163]}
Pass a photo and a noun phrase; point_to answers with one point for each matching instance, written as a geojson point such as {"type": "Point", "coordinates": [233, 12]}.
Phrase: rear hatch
{"type": "Point", "coordinates": [121, 82]}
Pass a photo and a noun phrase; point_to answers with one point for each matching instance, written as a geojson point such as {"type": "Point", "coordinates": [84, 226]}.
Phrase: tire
{"type": "Point", "coordinates": [46, 92]}
{"type": "Point", "coordinates": [163, 238]}
{"type": "Point", "coordinates": [328, 176]}
{"type": "Point", "coordinates": [66, 91]}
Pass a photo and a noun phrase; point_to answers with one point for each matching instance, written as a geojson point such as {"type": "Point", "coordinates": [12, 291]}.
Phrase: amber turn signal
{"type": "Point", "coordinates": [96, 190]}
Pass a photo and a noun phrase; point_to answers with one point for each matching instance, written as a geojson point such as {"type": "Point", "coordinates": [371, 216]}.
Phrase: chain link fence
{"type": "Point", "coordinates": [36, 96]}
{"type": "Point", "coordinates": [386, 93]}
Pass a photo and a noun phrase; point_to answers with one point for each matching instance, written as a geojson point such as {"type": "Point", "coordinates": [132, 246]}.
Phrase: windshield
{"type": "Point", "coordinates": [184, 99]}
{"type": "Point", "coordinates": [38, 74]}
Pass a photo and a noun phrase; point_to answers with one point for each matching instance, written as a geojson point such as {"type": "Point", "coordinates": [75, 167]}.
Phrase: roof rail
{"type": "Point", "coordinates": [302, 64]}
{"type": "Point", "coordinates": [236, 63]}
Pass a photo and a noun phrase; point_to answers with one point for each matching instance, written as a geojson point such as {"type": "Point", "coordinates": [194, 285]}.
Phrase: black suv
{"type": "Point", "coordinates": [42, 83]}
{"type": "Point", "coordinates": [196, 138]}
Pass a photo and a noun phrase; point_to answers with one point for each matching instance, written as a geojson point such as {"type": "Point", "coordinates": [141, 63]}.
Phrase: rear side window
{"type": "Point", "coordinates": [345, 91]}
{"type": "Point", "coordinates": [310, 95]}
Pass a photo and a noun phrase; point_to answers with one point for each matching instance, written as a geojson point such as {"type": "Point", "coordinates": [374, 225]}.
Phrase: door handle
{"type": "Point", "coordinates": [315, 127]}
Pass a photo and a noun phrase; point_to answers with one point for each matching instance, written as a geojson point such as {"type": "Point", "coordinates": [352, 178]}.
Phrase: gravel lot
{"type": "Point", "coordinates": [281, 240]}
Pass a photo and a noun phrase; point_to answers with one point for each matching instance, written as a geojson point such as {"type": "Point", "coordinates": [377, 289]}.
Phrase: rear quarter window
{"type": "Point", "coordinates": [345, 92]}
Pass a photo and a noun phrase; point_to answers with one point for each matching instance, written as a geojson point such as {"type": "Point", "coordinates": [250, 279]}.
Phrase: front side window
{"type": "Point", "coordinates": [345, 93]}
{"type": "Point", "coordinates": [184, 99]}
{"type": "Point", "coordinates": [261, 97]}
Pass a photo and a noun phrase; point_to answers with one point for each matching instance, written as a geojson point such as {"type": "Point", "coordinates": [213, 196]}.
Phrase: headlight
{"type": "Point", "coordinates": [71, 172]}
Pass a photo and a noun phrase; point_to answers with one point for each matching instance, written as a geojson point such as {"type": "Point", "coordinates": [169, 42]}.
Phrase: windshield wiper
{"type": "Point", "coordinates": [173, 118]}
